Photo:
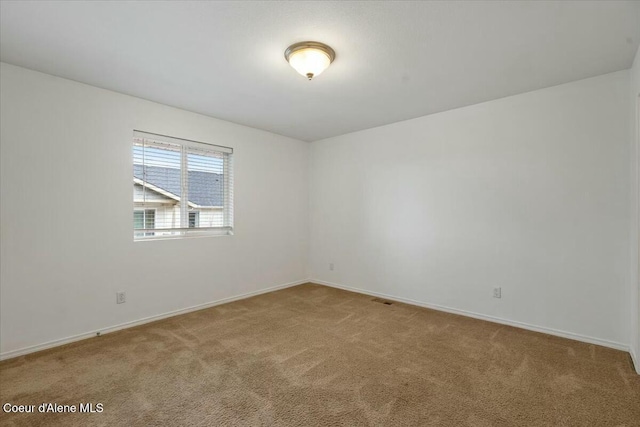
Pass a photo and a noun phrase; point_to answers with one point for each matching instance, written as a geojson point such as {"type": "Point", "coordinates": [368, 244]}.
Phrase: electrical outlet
{"type": "Point", "coordinates": [331, 266]}
{"type": "Point", "coordinates": [121, 297]}
{"type": "Point", "coordinates": [497, 292]}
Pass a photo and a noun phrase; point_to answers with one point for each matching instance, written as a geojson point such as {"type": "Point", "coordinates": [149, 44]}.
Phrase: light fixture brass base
{"type": "Point", "coordinates": [308, 44]}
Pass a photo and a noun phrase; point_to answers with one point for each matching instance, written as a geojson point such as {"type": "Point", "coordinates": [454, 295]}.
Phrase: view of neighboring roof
{"type": "Point", "coordinates": [205, 188]}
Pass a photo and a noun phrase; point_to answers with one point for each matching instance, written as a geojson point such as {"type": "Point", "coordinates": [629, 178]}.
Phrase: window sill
{"type": "Point", "coordinates": [187, 235]}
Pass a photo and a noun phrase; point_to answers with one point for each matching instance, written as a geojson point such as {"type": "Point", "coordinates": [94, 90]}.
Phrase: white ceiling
{"type": "Point", "coordinates": [395, 60]}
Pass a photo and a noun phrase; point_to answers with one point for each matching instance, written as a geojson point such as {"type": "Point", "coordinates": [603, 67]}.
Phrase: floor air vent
{"type": "Point", "coordinates": [382, 301]}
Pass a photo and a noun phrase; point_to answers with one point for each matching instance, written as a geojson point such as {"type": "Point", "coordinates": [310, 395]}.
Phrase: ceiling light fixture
{"type": "Point", "coordinates": [309, 58]}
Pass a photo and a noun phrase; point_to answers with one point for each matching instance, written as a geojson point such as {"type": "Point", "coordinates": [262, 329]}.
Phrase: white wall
{"type": "Point", "coordinates": [530, 193]}
{"type": "Point", "coordinates": [66, 213]}
{"type": "Point", "coordinates": [635, 211]}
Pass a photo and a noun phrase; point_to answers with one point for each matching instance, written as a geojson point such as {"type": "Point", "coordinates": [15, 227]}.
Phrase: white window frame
{"type": "Point", "coordinates": [184, 230]}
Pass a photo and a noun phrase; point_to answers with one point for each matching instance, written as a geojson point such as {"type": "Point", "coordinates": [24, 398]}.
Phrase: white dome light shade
{"type": "Point", "coordinates": [309, 62]}
{"type": "Point", "coordinates": [309, 58]}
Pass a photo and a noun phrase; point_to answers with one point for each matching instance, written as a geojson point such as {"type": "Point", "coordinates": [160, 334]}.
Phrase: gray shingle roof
{"type": "Point", "coordinates": [205, 189]}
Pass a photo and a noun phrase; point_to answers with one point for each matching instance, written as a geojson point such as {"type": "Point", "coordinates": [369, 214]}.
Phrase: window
{"type": "Point", "coordinates": [194, 219]}
{"type": "Point", "coordinates": [144, 219]}
{"type": "Point", "coordinates": [180, 187]}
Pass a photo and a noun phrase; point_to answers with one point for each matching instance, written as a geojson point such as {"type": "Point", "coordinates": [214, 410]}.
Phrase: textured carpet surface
{"type": "Point", "coordinates": [317, 356]}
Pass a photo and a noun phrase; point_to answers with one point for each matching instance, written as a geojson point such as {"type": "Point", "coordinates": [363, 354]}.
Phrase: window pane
{"type": "Point", "coordinates": [157, 182]}
{"type": "Point", "coordinates": [206, 187]}
{"type": "Point", "coordinates": [194, 218]}
{"type": "Point", "coordinates": [138, 220]}
{"type": "Point", "coordinates": [149, 219]}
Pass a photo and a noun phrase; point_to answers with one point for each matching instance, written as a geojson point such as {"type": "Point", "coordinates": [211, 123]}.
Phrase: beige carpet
{"type": "Point", "coordinates": [317, 356]}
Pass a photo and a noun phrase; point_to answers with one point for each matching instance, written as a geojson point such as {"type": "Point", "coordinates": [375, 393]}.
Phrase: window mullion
{"type": "Point", "coordinates": [184, 198]}
{"type": "Point", "coordinates": [227, 191]}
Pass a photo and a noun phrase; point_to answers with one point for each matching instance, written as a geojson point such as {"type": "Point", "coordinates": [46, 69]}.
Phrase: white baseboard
{"type": "Point", "coordinates": [550, 331]}
{"type": "Point", "coordinates": [636, 360]}
{"type": "Point", "coordinates": [542, 329]}
{"type": "Point", "coordinates": [106, 330]}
